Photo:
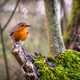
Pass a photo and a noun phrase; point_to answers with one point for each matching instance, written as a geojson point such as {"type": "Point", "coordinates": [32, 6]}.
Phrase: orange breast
{"type": "Point", "coordinates": [20, 34]}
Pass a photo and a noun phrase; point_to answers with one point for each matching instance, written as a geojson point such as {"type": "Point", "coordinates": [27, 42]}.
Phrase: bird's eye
{"type": "Point", "coordinates": [22, 25]}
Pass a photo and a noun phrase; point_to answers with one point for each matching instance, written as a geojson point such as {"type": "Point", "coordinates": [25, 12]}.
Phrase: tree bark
{"type": "Point", "coordinates": [64, 17]}
{"type": "Point", "coordinates": [25, 60]}
{"type": "Point", "coordinates": [56, 43]}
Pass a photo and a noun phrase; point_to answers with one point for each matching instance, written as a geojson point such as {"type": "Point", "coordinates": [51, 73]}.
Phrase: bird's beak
{"type": "Point", "coordinates": [28, 25]}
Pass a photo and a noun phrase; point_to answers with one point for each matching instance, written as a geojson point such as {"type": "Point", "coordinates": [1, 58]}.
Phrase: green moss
{"type": "Point", "coordinates": [45, 71]}
{"type": "Point", "coordinates": [67, 67]}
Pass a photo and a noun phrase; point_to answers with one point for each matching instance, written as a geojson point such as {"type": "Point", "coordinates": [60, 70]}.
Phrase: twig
{"type": "Point", "coordinates": [2, 41]}
{"type": "Point", "coordinates": [4, 54]}
{"type": "Point", "coordinates": [17, 3]}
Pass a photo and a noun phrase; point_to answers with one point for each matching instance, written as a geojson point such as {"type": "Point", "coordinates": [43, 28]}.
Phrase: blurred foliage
{"type": "Point", "coordinates": [67, 67]}
{"type": "Point", "coordinates": [74, 11]}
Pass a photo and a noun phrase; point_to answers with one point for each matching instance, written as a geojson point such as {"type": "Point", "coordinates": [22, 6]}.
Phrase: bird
{"type": "Point", "coordinates": [20, 32]}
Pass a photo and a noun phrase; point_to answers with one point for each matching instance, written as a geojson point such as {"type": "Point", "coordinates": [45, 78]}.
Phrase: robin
{"type": "Point", "coordinates": [20, 33]}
